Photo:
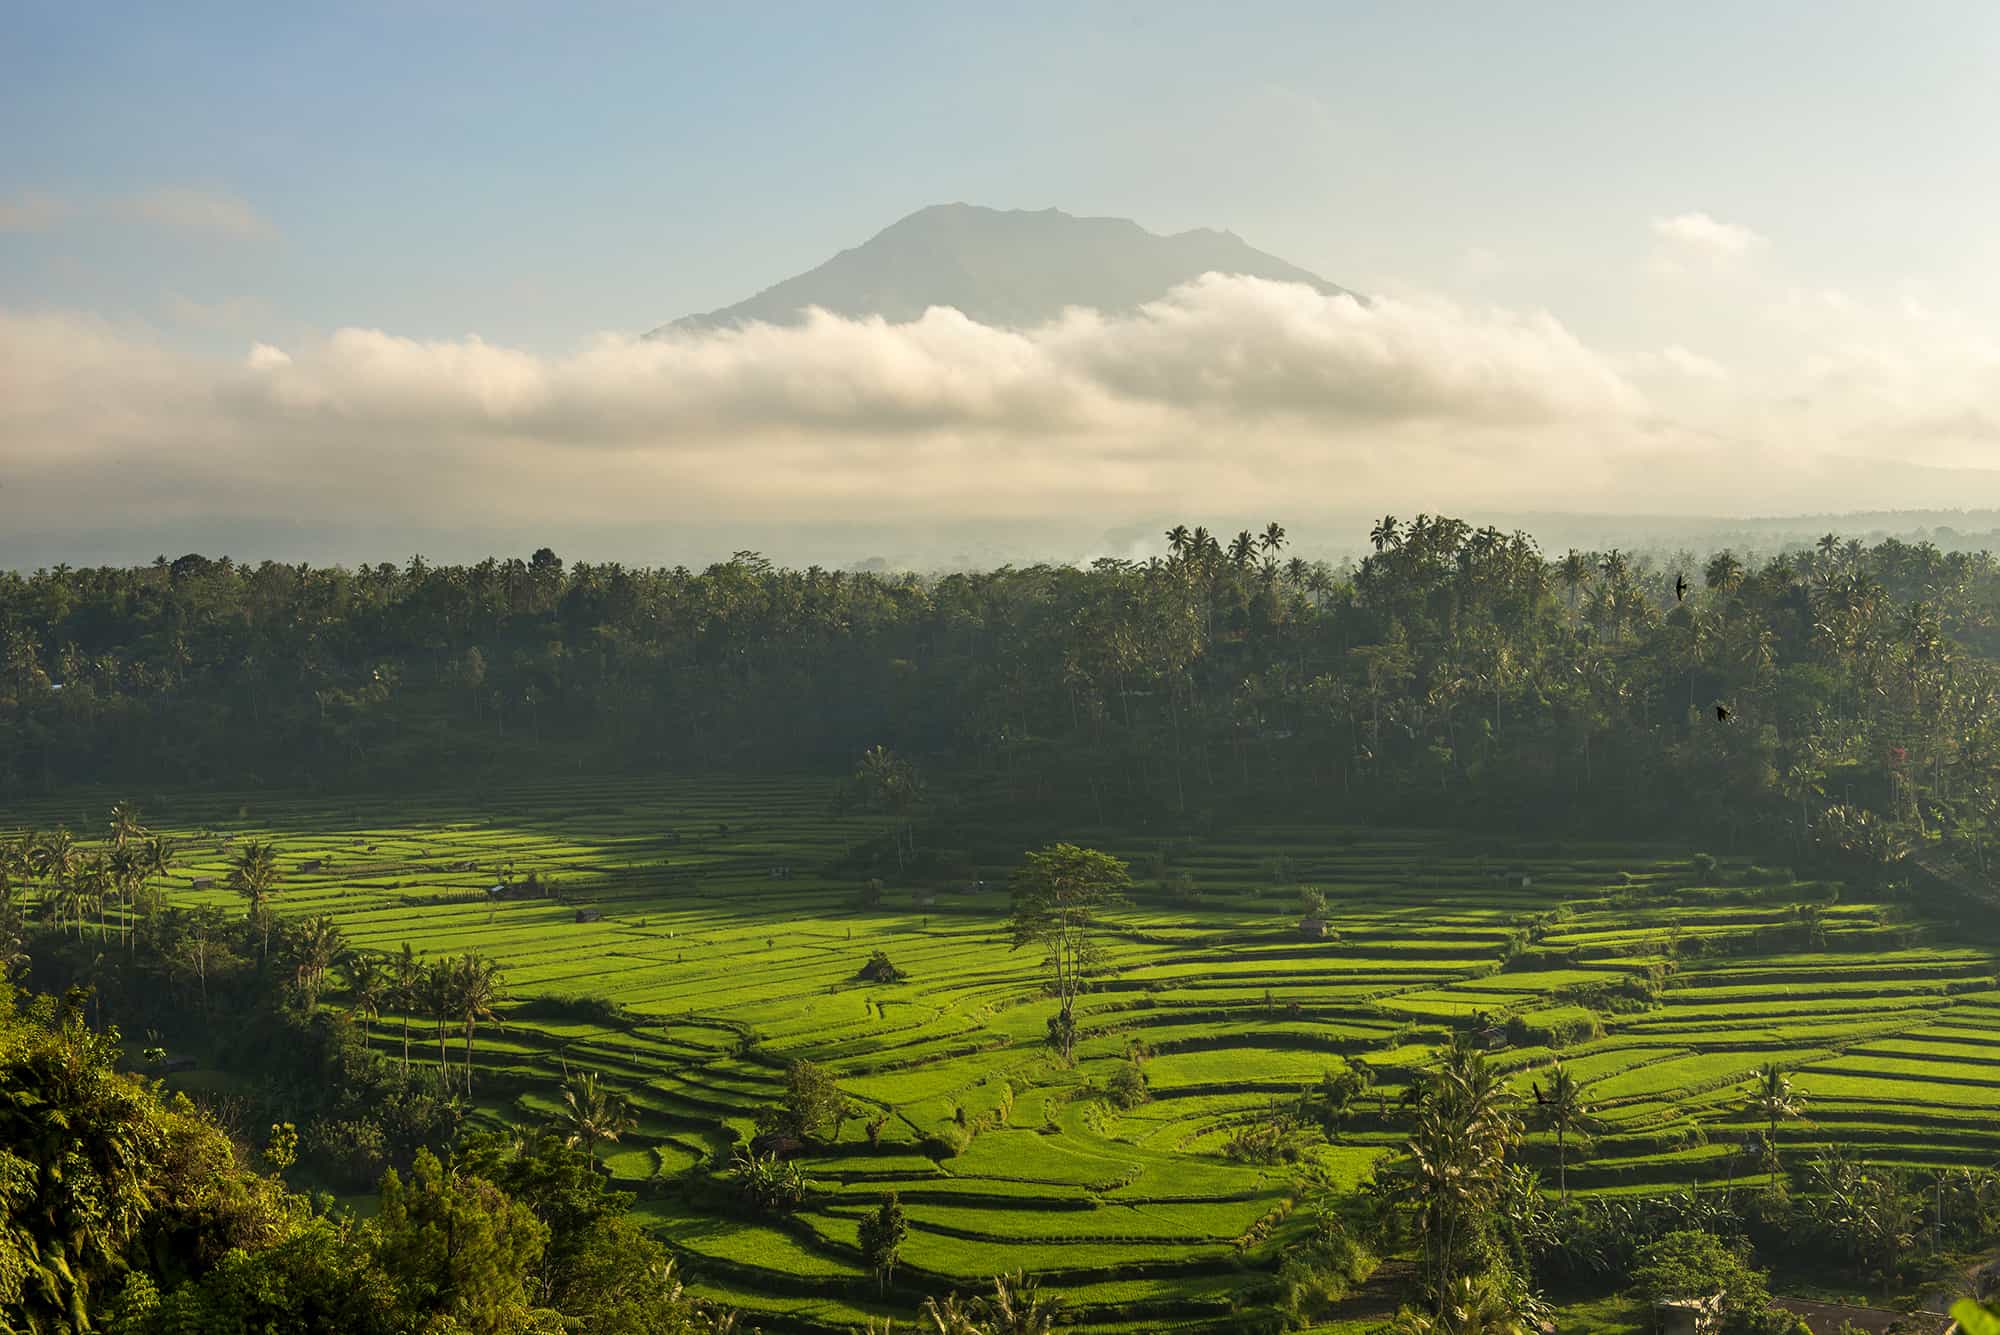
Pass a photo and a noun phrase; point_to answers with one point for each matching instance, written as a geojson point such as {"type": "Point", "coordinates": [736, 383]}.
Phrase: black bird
{"type": "Point", "coordinates": [1722, 714]}
{"type": "Point", "coordinates": [1539, 1097]}
{"type": "Point", "coordinates": [1680, 587]}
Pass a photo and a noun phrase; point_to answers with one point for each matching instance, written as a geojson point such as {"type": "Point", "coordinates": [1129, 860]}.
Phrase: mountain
{"type": "Point", "coordinates": [1004, 267]}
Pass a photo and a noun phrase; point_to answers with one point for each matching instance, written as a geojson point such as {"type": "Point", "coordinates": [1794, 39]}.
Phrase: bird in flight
{"type": "Point", "coordinates": [1680, 587]}
{"type": "Point", "coordinates": [1722, 714]}
{"type": "Point", "coordinates": [1539, 1096]}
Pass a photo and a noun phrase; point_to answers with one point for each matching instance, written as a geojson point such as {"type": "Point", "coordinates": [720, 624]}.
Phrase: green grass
{"type": "Point", "coordinates": [1897, 1047]}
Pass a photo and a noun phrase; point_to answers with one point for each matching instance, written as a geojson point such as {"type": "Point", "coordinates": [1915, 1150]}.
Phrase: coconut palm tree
{"type": "Point", "coordinates": [1773, 1098]}
{"type": "Point", "coordinates": [406, 983]}
{"type": "Point", "coordinates": [317, 943]}
{"type": "Point", "coordinates": [439, 993]}
{"type": "Point", "coordinates": [949, 1316]}
{"type": "Point", "coordinates": [1465, 1308]}
{"type": "Point", "coordinates": [479, 988]}
{"type": "Point", "coordinates": [591, 1114]}
{"type": "Point", "coordinates": [1561, 1109]}
{"type": "Point", "coordinates": [367, 987]}
{"type": "Point", "coordinates": [255, 876]}
{"type": "Point", "coordinates": [1017, 1307]}
{"type": "Point", "coordinates": [1463, 1127]}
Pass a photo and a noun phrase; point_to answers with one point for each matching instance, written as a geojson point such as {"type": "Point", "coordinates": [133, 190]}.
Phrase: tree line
{"type": "Point", "coordinates": [1839, 699]}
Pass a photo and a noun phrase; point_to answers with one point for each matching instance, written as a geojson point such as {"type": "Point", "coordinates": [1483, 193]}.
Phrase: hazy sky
{"type": "Point", "coordinates": [336, 261]}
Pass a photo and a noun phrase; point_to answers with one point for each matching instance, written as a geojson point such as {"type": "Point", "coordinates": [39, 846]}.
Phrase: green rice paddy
{"type": "Point", "coordinates": [730, 948]}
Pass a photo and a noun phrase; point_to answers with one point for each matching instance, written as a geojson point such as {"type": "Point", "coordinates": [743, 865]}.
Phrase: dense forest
{"type": "Point", "coordinates": [1841, 694]}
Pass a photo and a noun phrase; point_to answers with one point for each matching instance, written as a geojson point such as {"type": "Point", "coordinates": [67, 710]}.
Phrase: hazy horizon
{"type": "Point", "coordinates": [382, 276]}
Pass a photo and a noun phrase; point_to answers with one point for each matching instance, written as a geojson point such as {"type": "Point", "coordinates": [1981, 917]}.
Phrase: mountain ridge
{"type": "Point", "coordinates": [1014, 268]}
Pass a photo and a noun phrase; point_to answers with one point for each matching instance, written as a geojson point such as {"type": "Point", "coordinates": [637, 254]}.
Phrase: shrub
{"type": "Point", "coordinates": [946, 1143]}
{"type": "Point", "coordinates": [1127, 1086]}
{"type": "Point", "coordinates": [1554, 1028]}
{"type": "Point", "coordinates": [1689, 1263]}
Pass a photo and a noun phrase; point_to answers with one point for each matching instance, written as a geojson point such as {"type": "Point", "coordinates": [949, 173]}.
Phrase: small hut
{"type": "Point", "coordinates": [589, 915]}
{"type": "Point", "coordinates": [1688, 1316]}
{"type": "Point", "coordinates": [1314, 928]}
{"type": "Point", "coordinates": [878, 969]}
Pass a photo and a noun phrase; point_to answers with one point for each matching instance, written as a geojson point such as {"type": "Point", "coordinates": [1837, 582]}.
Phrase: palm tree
{"type": "Point", "coordinates": [440, 999]}
{"type": "Point", "coordinates": [1724, 573]}
{"type": "Point", "coordinates": [255, 876]}
{"type": "Point", "coordinates": [949, 1316]}
{"type": "Point", "coordinates": [1573, 572]}
{"type": "Point", "coordinates": [317, 944]}
{"type": "Point", "coordinates": [480, 987]}
{"type": "Point", "coordinates": [1385, 533]}
{"type": "Point", "coordinates": [1464, 1126]}
{"type": "Point", "coordinates": [367, 987]}
{"type": "Point", "coordinates": [1562, 1111]}
{"type": "Point", "coordinates": [1773, 1098]}
{"type": "Point", "coordinates": [1272, 539]}
{"type": "Point", "coordinates": [1466, 1307]}
{"type": "Point", "coordinates": [1017, 1308]}
{"type": "Point", "coordinates": [593, 1115]}
{"type": "Point", "coordinates": [406, 981]}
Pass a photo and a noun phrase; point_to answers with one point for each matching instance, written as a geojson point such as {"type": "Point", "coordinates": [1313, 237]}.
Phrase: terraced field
{"type": "Point", "coordinates": [729, 950]}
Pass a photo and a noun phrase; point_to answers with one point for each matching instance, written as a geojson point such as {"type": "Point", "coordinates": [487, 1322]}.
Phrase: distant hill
{"type": "Point", "coordinates": [1004, 267]}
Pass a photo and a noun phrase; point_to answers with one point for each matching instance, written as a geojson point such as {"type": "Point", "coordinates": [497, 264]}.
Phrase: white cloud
{"type": "Point", "coordinates": [1700, 234]}
{"type": "Point", "coordinates": [1228, 394]}
{"type": "Point", "coordinates": [1692, 364]}
{"type": "Point", "coordinates": [1228, 387]}
{"type": "Point", "coordinates": [31, 212]}
{"type": "Point", "coordinates": [197, 210]}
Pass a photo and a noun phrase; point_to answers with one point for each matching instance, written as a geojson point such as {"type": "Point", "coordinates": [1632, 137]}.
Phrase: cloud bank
{"type": "Point", "coordinates": [1227, 387]}
{"type": "Point", "coordinates": [1227, 394]}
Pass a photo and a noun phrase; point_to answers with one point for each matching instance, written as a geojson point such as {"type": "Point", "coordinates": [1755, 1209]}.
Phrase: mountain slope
{"type": "Point", "coordinates": [1013, 268]}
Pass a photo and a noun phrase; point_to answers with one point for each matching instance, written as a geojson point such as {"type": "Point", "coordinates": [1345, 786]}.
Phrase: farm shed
{"type": "Point", "coordinates": [879, 970]}
{"type": "Point", "coordinates": [589, 915]}
{"type": "Point", "coordinates": [1689, 1316]}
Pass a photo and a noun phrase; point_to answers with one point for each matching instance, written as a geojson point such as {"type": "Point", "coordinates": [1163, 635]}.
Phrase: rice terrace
{"type": "Point", "coordinates": [1265, 999]}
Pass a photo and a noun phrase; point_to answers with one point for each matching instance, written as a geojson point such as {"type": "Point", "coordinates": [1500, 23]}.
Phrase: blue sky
{"type": "Point", "coordinates": [1771, 224]}
{"type": "Point", "coordinates": [535, 173]}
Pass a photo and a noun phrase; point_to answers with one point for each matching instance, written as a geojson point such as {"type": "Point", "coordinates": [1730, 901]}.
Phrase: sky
{"type": "Point", "coordinates": [275, 274]}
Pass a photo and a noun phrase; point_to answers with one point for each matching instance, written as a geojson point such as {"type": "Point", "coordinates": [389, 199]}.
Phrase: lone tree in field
{"type": "Point", "coordinates": [1773, 1098]}
{"type": "Point", "coordinates": [882, 1235]}
{"type": "Point", "coordinates": [592, 1115]}
{"type": "Point", "coordinates": [1562, 1110]}
{"type": "Point", "coordinates": [1058, 893]}
{"type": "Point", "coordinates": [813, 1107]}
